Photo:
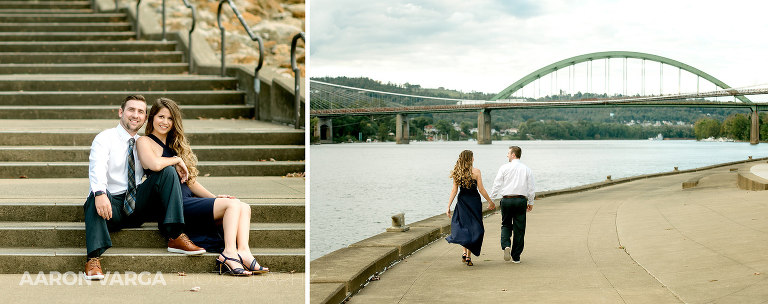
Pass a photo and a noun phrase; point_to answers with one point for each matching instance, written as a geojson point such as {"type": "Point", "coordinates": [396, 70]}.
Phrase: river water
{"type": "Point", "coordinates": [356, 188]}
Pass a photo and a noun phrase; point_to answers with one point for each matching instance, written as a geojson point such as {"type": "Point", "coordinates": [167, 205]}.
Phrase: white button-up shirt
{"type": "Point", "coordinates": [108, 168]}
{"type": "Point", "coordinates": [514, 178]}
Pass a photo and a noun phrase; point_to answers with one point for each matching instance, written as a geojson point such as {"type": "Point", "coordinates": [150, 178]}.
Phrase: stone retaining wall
{"type": "Point", "coordinates": [276, 101]}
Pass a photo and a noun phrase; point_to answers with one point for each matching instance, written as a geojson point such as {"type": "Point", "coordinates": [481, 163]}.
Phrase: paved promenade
{"type": "Point", "coordinates": [646, 241]}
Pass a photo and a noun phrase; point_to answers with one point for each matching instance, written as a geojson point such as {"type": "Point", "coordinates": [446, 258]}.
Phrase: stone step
{"type": "Point", "coordinates": [223, 137]}
{"type": "Point", "coordinates": [71, 210]}
{"type": "Point", "coordinates": [106, 112]}
{"type": "Point", "coordinates": [204, 153]}
{"type": "Point", "coordinates": [66, 36]}
{"type": "Point", "coordinates": [114, 98]}
{"type": "Point", "coordinates": [65, 27]}
{"type": "Point", "coordinates": [201, 132]}
{"type": "Point", "coordinates": [34, 260]}
{"type": "Point", "coordinates": [72, 234]}
{"type": "Point", "coordinates": [93, 57]}
{"type": "Point", "coordinates": [125, 83]}
{"type": "Point", "coordinates": [88, 46]}
{"type": "Point", "coordinates": [207, 168]}
{"type": "Point", "coordinates": [216, 138]}
{"type": "Point", "coordinates": [45, 4]}
{"type": "Point", "coordinates": [25, 11]}
{"type": "Point", "coordinates": [34, 17]}
{"type": "Point", "coordinates": [32, 0]}
{"type": "Point", "coordinates": [96, 68]}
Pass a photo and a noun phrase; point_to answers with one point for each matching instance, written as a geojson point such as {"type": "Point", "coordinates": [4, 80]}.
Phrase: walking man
{"type": "Point", "coordinates": [119, 198]}
{"type": "Point", "coordinates": [514, 183]}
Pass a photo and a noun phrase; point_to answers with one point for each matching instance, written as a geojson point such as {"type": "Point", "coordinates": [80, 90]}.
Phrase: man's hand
{"type": "Point", "coordinates": [103, 206]}
{"type": "Point", "coordinates": [530, 207]}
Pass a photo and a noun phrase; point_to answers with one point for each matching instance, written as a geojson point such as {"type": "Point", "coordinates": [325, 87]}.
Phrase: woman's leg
{"type": "Point", "coordinates": [243, 233]}
{"type": "Point", "coordinates": [243, 228]}
{"type": "Point", "coordinates": [228, 211]}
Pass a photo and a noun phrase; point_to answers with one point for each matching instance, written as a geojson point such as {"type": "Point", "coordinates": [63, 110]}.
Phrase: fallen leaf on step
{"type": "Point", "coordinates": [207, 175]}
{"type": "Point", "coordinates": [503, 290]}
{"type": "Point", "coordinates": [182, 274]}
{"type": "Point", "coordinates": [195, 289]}
{"type": "Point", "coordinates": [23, 176]}
{"type": "Point", "coordinates": [757, 273]}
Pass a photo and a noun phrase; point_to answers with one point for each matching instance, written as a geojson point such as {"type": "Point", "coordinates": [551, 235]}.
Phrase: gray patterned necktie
{"type": "Point", "coordinates": [130, 195]}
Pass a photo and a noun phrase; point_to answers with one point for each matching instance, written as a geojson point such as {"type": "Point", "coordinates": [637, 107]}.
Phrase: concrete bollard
{"type": "Point", "coordinates": [398, 223]}
{"type": "Point", "coordinates": [608, 178]}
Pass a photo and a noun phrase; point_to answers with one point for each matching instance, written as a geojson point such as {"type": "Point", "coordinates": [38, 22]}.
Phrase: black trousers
{"type": "Point", "coordinates": [158, 199]}
{"type": "Point", "coordinates": [513, 212]}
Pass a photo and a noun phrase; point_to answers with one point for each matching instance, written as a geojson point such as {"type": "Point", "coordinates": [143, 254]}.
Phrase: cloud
{"type": "Point", "coordinates": [486, 45]}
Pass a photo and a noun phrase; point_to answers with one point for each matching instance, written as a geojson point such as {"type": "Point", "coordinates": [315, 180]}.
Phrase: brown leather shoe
{"type": "Point", "coordinates": [183, 244]}
{"type": "Point", "coordinates": [93, 269]}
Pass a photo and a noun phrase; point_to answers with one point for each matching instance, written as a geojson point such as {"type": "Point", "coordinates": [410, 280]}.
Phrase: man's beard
{"type": "Point", "coordinates": [127, 126]}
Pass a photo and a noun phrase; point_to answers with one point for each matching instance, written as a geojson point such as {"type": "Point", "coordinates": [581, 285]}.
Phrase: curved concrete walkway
{"type": "Point", "coordinates": [646, 241]}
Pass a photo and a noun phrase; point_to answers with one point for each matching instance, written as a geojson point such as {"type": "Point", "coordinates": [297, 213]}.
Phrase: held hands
{"type": "Point", "coordinates": [491, 205]}
{"type": "Point", "coordinates": [103, 206]}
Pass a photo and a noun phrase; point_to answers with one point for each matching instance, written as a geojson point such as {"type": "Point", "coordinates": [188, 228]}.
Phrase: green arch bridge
{"type": "Point", "coordinates": [502, 101]}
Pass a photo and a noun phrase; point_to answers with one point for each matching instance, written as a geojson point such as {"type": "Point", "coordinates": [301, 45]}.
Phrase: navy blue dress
{"type": "Point", "coordinates": [199, 226]}
{"type": "Point", "coordinates": [467, 222]}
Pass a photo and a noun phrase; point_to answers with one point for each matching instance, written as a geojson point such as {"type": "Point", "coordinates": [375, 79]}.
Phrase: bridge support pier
{"type": "Point", "coordinates": [324, 130]}
{"type": "Point", "coordinates": [754, 133]}
{"type": "Point", "coordinates": [402, 127]}
{"type": "Point", "coordinates": [484, 127]}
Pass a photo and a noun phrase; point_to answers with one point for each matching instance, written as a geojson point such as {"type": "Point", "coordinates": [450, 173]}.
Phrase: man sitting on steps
{"type": "Point", "coordinates": [120, 199]}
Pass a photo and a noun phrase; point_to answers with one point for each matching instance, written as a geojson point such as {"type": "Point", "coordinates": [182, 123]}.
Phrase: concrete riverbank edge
{"type": "Point", "coordinates": [340, 274]}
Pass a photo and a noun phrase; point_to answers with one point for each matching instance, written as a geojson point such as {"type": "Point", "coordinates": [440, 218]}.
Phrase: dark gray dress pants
{"type": "Point", "coordinates": [158, 199]}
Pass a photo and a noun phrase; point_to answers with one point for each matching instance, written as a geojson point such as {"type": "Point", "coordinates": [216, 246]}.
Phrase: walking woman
{"type": "Point", "coordinates": [467, 221]}
{"type": "Point", "coordinates": [205, 214]}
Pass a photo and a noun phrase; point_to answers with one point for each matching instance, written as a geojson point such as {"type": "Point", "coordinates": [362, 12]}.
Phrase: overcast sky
{"type": "Point", "coordinates": [485, 45]}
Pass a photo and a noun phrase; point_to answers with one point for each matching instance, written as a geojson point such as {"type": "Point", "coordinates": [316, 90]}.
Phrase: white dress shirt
{"type": "Point", "coordinates": [108, 169]}
{"type": "Point", "coordinates": [514, 178]}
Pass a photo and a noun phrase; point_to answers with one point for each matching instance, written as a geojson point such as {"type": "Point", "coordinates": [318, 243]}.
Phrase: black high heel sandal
{"type": "Point", "coordinates": [252, 267]}
{"type": "Point", "coordinates": [469, 261]}
{"type": "Point", "coordinates": [238, 272]}
{"type": "Point", "coordinates": [463, 257]}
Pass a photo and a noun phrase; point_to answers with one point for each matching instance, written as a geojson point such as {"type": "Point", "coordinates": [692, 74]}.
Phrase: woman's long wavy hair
{"type": "Point", "coordinates": [176, 138]}
{"type": "Point", "coordinates": [462, 172]}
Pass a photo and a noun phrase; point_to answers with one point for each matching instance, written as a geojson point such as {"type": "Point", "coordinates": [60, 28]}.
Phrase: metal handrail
{"type": "Point", "coordinates": [295, 69]}
{"type": "Point", "coordinates": [192, 29]}
{"type": "Point", "coordinates": [254, 37]}
{"type": "Point", "coordinates": [136, 22]}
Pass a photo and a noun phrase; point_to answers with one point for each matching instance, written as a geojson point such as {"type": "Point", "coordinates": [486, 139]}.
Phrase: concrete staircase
{"type": "Point", "coordinates": [63, 72]}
